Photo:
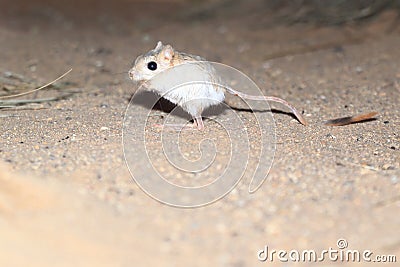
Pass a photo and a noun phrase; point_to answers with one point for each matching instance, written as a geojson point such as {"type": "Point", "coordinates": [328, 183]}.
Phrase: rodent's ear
{"type": "Point", "coordinates": [158, 46]}
{"type": "Point", "coordinates": [168, 52]}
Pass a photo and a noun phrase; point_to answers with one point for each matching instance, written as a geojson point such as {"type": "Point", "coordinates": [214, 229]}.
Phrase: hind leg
{"type": "Point", "coordinates": [198, 122]}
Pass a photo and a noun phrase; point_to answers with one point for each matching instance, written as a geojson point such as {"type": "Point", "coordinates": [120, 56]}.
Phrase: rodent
{"type": "Point", "coordinates": [163, 57]}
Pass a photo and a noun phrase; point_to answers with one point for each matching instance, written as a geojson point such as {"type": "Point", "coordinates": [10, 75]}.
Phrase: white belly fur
{"type": "Point", "coordinates": [195, 98]}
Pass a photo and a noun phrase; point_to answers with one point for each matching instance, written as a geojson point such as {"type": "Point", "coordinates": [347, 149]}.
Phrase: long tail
{"type": "Point", "coordinates": [270, 98]}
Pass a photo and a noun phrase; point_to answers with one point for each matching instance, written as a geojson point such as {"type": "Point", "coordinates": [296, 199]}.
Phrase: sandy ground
{"type": "Point", "coordinates": [66, 195]}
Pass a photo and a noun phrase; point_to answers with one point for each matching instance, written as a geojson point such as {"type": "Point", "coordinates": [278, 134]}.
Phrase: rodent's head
{"type": "Point", "coordinates": [153, 62]}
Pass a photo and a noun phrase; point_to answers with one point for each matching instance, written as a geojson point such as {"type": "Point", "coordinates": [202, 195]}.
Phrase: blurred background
{"type": "Point", "coordinates": [313, 11]}
{"type": "Point", "coordinates": [66, 195]}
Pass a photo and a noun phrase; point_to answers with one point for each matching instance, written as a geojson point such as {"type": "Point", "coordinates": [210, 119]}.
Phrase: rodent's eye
{"type": "Point", "coordinates": [152, 65]}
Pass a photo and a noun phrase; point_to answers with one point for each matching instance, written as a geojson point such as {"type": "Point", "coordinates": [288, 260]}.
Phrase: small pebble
{"type": "Point", "coordinates": [331, 136]}
{"type": "Point", "coordinates": [146, 38]}
{"type": "Point", "coordinates": [387, 166]}
{"type": "Point", "coordinates": [99, 64]}
{"type": "Point", "coordinates": [276, 73]}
